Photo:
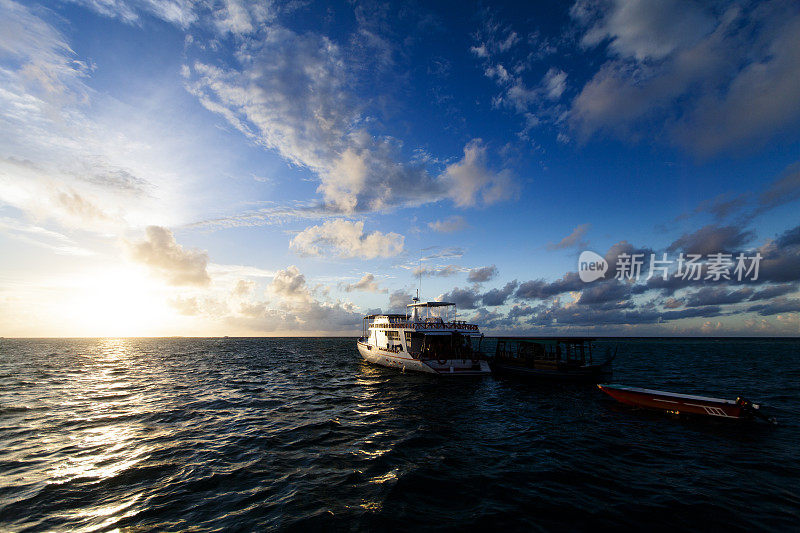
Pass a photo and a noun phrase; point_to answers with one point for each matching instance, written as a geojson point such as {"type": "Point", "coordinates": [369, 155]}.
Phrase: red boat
{"type": "Point", "coordinates": [675, 403]}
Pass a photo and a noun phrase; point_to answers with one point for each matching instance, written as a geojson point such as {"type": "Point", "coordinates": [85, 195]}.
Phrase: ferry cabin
{"type": "Point", "coordinates": [430, 340]}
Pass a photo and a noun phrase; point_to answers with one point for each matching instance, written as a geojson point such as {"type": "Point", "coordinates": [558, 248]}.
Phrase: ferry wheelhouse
{"type": "Point", "coordinates": [428, 338]}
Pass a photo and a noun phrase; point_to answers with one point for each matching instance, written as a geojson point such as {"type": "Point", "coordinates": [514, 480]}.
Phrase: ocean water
{"type": "Point", "coordinates": [297, 434]}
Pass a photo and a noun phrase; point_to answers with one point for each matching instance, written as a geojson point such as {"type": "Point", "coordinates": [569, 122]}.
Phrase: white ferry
{"type": "Point", "coordinates": [430, 340]}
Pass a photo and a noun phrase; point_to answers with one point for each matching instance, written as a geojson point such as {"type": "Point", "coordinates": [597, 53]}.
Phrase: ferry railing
{"type": "Point", "coordinates": [427, 325]}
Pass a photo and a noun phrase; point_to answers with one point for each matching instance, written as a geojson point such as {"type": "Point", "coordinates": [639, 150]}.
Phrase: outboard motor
{"type": "Point", "coordinates": [752, 410]}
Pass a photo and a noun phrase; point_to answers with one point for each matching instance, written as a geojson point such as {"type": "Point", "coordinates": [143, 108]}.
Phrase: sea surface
{"type": "Point", "coordinates": [298, 434]}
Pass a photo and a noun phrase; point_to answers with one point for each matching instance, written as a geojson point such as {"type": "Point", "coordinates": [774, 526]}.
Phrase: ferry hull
{"type": "Point", "coordinates": [404, 362]}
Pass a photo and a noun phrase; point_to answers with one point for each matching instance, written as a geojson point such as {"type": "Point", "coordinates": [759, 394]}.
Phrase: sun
{"type": "Point", "coordinates": [121, 301]}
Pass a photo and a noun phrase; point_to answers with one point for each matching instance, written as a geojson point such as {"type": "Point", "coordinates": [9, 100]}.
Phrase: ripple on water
{"type": "Point", "coordinates": [204, 434]}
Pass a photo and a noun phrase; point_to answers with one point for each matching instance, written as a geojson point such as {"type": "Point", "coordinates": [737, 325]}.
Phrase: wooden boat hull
{"type": "Point", "coordinates": [584, 374]}
{"type": "Point", "coordinates": [588, 374]}
{"type": "Point", "coordinates": [680, 403]}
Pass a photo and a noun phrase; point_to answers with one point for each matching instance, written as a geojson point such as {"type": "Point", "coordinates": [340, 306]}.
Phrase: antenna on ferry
{"type": "Point", "coordinates": [419, 271]}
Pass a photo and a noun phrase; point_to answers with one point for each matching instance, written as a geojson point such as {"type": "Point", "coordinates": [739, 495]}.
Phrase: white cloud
{"type": "Point", "coordinates": [290, 284]}
{"type": "Point", "coordinates": [555, 81]}
{"type": "Point", "coordinates": [448, 225]}
{"type": "Point", "coordinates": [291, 93]}
{"type": "Point", "coordinates": [182, 13]}
{"type": "Point", "coordinates": [649, 29]}
{"type": "Point", "coordinates": [168, 259]}
{"type": "Point", "coordinates": [470, 180]}
{"type": "Point", "coordinates": [244, 287]}
{"type": "Point", "coordinates": [41, 237]}
{"type": "Point", "coordinates": [345, 238]}
{"type": "Point", "coordinates": [366, 284]}
{"type": "Point", "coordinates": [438, 271]}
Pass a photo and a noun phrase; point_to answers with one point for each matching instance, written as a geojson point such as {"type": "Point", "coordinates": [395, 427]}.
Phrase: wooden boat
{"type": "Point", "coordinates": [554, 358]}
{"type": "Point", "coordinates": [675, 403]}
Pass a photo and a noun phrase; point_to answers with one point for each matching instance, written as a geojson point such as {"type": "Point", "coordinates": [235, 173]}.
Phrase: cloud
{"type": "Point", "coordinates": [295, 308]}
{"type": "Point", "coordinates": [773, 291]}
{"type": "Point", "coordinates": [448, 225]}
{"type": "Point", "coordinates": [291, 93]}
{"type": "Point", "coordinates": [366, 284]}
{"type": "Point", "coordinates": [573, 239]}
{"type": "Point", "coordinates": [709, 82]}
{"type": "Point", "coordinates": [717, 296]}
{"type": "Point", "coordinates": [290, 284]}
{"type": "Point", "coordinates": [188, 306]}
{"type": "Point", "coordinates": [781, 258]}
{"type": "Point", "coordinates": [165, 257]}
{"type": "Point", "coordinates": [482, 274]}
{"type": "Point", "coordinates": [41, 237]}
{"type": "Point", "coordinates": [346, 239]}
{"type": "Point", "coordinates": [469, 181]}
{"type": "Point", "coordinates": [496, 297]}
{"type": "Point", "coordinates": [608, 291]}
{"type": "Point", "coordinates": [647, 29]}
{"type": "Point", "coordinates": [760, 100]}
{"type": "Point", "coordinates": [244, 287]}
{"type": "Point", "coordinates": [720, 207]}
{"type": "Point", "coordinates": [398, 301]}
{"type": "Point", "coordinates": [784, 190]}
{"type": "Point", "coordinates": [712, 239]}
{"type": "Point", "coordinates": [540, 289]}
{"type": "Point", "coordinates": [439, 252]}
{"type": "Point", "coordinates": [463, 298]}
{"type": "Point", "coordinates": [777, 306]}
{"type": "Point", "coordinates": [555, 81]}
{"type": "Point", "coordinates": [440, 271]}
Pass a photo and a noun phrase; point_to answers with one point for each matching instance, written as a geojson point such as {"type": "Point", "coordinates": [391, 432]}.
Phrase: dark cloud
{"type": "Point", "coordinates": [781, 258]}
{"type": "Point", "coordinates": [717, 296]}
{"type": "Point", "coordinates": [541, 289]}
{"type": "Point", "coordinates": [773, 291]}
{"type": "Point", "coordinates": [612, 257]}
{"type": "Point", "coordinates": [790, 238]}
{"type": "Point", "coordinates": [576, 239]}
{"type": "Point", "coordinates": [777, 306]}
{"type": "Point", "coordinates": [782, 191]}
{"type": "Point", "coordinates": [483, 274]}
{"type": "Point", "coordinates": [604, 292]}
{"type": "Point", "coordinates": [720, 207]}
{"type": "Point", "coordinates": [463, 298]}
{"type": "Point", "coordinates": [497, 297]}
{"type": "Point", "coordinates": [712, 239]}
{"type": "Point", "coordinates": [398, 300]}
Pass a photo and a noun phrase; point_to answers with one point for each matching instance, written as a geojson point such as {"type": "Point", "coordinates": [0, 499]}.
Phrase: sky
{"type": "Point", "coordinates": [222, 167]}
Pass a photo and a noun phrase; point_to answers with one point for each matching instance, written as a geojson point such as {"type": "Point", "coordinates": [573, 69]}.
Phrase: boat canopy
{"type": "Point", "coordinates": [548, 340]}
{"type": "Point", "coordinates": [390, 316]}
{"type": "Point", "coordinates": [430, 304]}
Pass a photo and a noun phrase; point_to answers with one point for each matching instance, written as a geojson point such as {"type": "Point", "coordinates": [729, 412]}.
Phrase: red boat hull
{"type": "Point", "coordinates": [676, 403]}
